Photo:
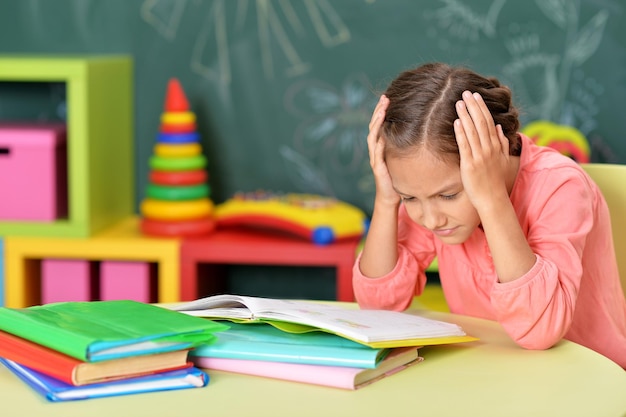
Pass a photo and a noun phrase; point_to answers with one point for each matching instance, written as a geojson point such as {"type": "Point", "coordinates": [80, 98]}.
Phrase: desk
{"type": "Point", "coordinates": [489, 377]}
{"type": "Point", "coordinates": [249, 247]}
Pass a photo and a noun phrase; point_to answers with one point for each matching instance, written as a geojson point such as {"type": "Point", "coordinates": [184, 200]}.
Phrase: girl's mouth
{"type": "Point", "coordinates": [445, 232]}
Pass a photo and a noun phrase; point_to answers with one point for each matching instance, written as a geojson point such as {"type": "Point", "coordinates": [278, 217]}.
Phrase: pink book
{"type": "Point", "coordinates": [330, 376]}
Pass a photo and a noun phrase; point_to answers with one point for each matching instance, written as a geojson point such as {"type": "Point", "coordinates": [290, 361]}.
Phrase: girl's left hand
{"type": "Point", "coordinates": [484, 151]}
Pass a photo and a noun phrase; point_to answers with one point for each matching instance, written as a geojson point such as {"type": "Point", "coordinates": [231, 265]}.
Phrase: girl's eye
{"type": "Point", "coordinates": [448, 196]}
{"type": "Point", "coordinates": [404, 198]}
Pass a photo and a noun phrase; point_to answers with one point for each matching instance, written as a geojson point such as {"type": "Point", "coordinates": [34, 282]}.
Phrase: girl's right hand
{"type": "Point", "coordinates": [376, 145]}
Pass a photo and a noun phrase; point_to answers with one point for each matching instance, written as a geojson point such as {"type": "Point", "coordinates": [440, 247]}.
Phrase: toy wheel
{"type": "Point", "coordinates": [323, 235]}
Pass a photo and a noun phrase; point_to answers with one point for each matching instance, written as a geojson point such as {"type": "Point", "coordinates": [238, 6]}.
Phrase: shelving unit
{"type": "Point", "coordinates": [121, 242]}
{"type": "Point", "coordinates": [99, 140]}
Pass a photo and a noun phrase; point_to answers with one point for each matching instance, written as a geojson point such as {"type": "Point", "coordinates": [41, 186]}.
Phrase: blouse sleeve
{"type": "Point", "coordinates": [395, 291]}
{"type": "Point", "coordinates": [537, 309]}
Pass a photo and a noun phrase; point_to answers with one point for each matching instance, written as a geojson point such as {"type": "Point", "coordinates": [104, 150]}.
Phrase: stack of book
{"type": "Point", "coordinates": [315, 343]}
{"type": "Point", "coordinates": [79, 350]}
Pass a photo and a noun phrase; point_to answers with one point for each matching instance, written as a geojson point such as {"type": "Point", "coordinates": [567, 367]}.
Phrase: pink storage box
{"type": "Point", "coordinates": [33, 172]}
{"type": "Point", "coordinates": [128, 280]}
{"type": "Point", "coordinates": [68, 280]}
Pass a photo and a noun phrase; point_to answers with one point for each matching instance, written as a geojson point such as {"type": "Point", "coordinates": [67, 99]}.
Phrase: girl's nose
{"type": "Point", "coordinates": [432, 218]}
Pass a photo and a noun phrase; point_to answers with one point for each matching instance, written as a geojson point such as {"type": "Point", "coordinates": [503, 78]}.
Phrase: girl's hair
{"type": "Point", "coordinates": [422, 110]}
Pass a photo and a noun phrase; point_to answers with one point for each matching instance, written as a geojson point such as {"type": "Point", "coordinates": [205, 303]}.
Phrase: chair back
{"type": "Point", "coordinates": [611, 178]}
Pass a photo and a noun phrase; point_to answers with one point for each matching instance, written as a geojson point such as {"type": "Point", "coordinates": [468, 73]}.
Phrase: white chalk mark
{"type": "Point", "coordinates": [292, 17]}
{"type": "Point", "coordinates": [317, 10]}
{"type": "Point", "coordinates": [211, 51]}
{"type": "Point", "coordinates": [270, 25]}
{"type": "Point", "coordinates": [587, 39]}
{"type": "Point", "coordinates": [463, 22]}
{"type": "Point", "coordinates": [215, 27]}
{"type": "Point", "coordinates": [163, 15]}
{"type": "Point", "coordinates": [559, 11]}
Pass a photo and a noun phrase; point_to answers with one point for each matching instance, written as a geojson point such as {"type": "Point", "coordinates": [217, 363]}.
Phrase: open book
{"type": "Point", "coordinates": [375, 328]}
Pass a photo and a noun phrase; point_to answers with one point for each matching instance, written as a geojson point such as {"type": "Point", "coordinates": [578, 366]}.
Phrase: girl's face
{"type": "Point", "coordinates": [433, 194]}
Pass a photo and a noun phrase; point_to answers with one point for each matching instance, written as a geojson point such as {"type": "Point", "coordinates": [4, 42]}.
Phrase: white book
{"type": "Point", "coordinates": [375, 328]}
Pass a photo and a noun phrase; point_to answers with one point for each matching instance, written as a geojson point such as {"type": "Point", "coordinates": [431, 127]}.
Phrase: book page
{"type": "Point", "coordinates": [369, 325]}
{"type": "Point", "coordinates": [243, 307]}
{"type": "Point", "coordinates": [360, 325]}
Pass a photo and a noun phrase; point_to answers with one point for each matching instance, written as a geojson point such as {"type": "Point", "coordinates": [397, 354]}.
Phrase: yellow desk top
{"type": "Point", "coordinates": [489, 377]}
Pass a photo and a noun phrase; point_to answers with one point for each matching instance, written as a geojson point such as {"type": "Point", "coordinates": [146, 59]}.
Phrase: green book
{"type": "Point", "coordinates": [101, 330]}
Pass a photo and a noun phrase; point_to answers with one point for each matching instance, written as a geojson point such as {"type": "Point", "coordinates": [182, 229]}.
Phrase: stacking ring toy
{"type": "Point", "coordinates": [178, 177]}
{"type": "Point", "coordinates": [566, 139]}
{"type": "Point", "coordinates": [176, 210]}
{"type": "Point", "coordinates": [178, 117]}
{"type": "Point", "coordinates": [196, 227]}
{"type": "Point", "coordinates": [192, 192]}
{"type": "Point", "coordinates": [178, 164]}
{"type": "Point", "coordinates": [187, 137]}
{"type": "Point", "coordinates": [183, 149]}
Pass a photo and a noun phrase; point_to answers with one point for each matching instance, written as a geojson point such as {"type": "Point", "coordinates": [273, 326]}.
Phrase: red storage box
{"type": "Point", "coordinates": [33, 172]}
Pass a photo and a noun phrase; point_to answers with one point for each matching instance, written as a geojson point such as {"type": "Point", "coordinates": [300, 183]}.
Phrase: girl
{"type": "Point", "coordinates": [522, 235]}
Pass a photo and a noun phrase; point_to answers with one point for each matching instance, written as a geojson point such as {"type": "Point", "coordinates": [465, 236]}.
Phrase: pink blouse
{"type": "Point", "coordinates": [573, 291]}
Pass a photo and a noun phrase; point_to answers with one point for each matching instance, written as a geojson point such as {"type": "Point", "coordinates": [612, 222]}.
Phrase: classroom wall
{"type": "Point", "coordinates": [283, 90]}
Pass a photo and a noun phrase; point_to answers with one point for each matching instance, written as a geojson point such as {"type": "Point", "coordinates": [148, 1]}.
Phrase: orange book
{"type": "Point", "coordinates": [76, 372]}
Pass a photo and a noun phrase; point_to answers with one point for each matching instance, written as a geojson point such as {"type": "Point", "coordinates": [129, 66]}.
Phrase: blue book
{"type": "Point", "coordinates": [54, 390]}
{"type": "Point", "coordinates": [260, 341]}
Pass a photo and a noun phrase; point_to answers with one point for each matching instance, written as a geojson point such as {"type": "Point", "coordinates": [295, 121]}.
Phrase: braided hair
{"type": "Point", "coordinates": [421, 109]}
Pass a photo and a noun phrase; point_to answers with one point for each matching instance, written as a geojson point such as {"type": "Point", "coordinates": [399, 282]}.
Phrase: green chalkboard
{"type": "Point", "coordinates": [283, 90]}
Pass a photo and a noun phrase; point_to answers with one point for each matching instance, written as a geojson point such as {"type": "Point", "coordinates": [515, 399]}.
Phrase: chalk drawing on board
{"type": "Point", "coordinates": [331, 135]}
{"type": "Point", "coordinates": [583, 105]}
{"type": "Point", "coordinates": [270, 29]}
{"type": "Point", "coordinates": [463, 22]}
{"type": "Point", "coordinates": [213, 37]}
{"type": "Point", "coordinates": [163, 15]}
{"type": "Point", "coordinates": [304, 174]}
{"type": "Point", "coordinates": [321, 11]}
{"type": "Point", "coordinates": [563, 94]}
{"type": "Point", "coordinates": [277, 23]}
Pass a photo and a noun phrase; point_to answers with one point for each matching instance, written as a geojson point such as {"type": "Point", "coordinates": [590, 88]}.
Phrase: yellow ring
{"type": "Point", "coordinates": [176, 210]}
{"type": "Point", "coordinates": [178, 117]}
{"type": "Point", "coordinates": [177, 150]}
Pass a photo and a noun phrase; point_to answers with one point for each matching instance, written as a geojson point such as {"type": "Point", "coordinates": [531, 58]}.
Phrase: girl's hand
{"type": "Point", "coordinates": [484, 152]}
{"type": "Point", "coordinates": [376, 145]}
